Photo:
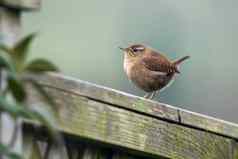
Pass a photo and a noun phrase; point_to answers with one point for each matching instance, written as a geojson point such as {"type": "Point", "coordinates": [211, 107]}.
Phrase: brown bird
{"type": "Point", "coordinates": [148, 69]}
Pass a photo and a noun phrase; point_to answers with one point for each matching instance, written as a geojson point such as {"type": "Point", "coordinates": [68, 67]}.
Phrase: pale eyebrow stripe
{"type": "Point", "coordinates": [140, 48]}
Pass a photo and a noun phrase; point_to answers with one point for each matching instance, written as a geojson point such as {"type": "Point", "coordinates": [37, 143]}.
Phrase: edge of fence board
{"type": "Point", "coordinates": [108, 95]}
{"type": "Point", "coordinates": [138, 104]}
{"type": "Point", "coordinates": [209, 123]}
{"type": "Point", "coordinates": [22, 4]}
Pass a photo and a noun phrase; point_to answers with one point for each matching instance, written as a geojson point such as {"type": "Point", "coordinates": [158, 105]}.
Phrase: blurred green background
{"type": "Point", "coordinates": [82, 38]}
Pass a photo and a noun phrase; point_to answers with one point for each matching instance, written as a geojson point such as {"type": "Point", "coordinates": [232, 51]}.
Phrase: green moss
{"type": "Point", "coordinates": [140, 105]}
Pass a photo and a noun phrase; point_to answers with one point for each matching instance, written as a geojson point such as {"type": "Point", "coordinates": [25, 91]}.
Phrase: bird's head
{"type": "Point", "coordinates": [134, 50]}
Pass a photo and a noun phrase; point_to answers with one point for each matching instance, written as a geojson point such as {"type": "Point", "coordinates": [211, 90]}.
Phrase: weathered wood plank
{"type": "Point", "coordinates": [103, 122]}
{"type": "Point", "coordinates": [9, 26]}
{"type": "Point", "coordinates": [28, 145]}
{"type": "Point", "coordinates": [107, 95]}
{"type": "Point", "coordinates": [57, 152]}
{"type": "Point", "coordinates": [209, 123]}
{"type": "Point", "coordinates": [93, 153]}
{"type": "Point", "coordinates": [138, 104]}
{"type": "Point", "coordinates": [21, 4]}
{"type": "Point", "coordinates": [235, 149]}
{"type": "Point", "coordinates": [35, 151]}
{"type": "Point", "coordinates": [75, 152]}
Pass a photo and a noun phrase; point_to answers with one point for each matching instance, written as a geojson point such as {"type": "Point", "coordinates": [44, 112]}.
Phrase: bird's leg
{"type": "Point", "coordinates": [147, 95]}
{"type": "Point", "coordinates": [152, 95]}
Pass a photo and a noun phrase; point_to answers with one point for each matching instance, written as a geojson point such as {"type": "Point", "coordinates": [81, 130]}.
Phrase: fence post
{"type": "Point", "coordinates": [10, 32]}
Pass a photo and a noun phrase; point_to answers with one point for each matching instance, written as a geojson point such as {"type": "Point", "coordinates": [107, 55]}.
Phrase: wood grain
{"type": "Point", "coordinates": [138, 104]}
{"type": "Point", "coordinates": [102, 122]}
{"type": "Point", "coordinates": [234, 149]}
{"type": "Point", "coordinates": [209, 123]}
{"type": "Point", "coordinates": [107, 95]}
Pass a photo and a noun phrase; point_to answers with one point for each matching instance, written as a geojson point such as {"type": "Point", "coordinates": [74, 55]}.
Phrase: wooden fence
{"type": "Point", "coordinates": [113, 123]}
{"type": "Point", "coordinates": [101, 123]}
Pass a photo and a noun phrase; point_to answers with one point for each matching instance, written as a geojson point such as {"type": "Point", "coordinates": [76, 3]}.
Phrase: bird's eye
{"type": "Point", "coordinates": [136, 49]}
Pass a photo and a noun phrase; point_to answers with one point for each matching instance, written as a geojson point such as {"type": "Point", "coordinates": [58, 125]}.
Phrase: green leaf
{"type": "Point", "coordinates": [5, 63]}
{"type": "Point", "coordinates": [38, 114]}
{"type": "Point", "coordinates": [40, 66]}
{"type": "Point", "coordinates": [4, 150]}
{"type": "Point", "coordinates": [48, 99]}
{"type": "Point", "coordinates": [15, 110]}
{"type": "Point", "coordinates": [46, 118]}
{"type": "Point", "coordinates": [6, 107]}
{"type": "Point", "coordinates": [21, 49]}
{"type": "Point", "coordinates": [42, 114]}
{"type": "Point", "coordinates": [6, 49]}
{"type": "Point", "coordinates": [16, 87]}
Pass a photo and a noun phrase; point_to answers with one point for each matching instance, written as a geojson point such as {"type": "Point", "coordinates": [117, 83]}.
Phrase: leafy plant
{"type": "Point", "coordinates": [13, 66]}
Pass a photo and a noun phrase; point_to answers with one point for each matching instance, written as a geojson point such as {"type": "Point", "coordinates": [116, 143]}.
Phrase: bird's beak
{"type": "Point", "coordinates": [121, 48]}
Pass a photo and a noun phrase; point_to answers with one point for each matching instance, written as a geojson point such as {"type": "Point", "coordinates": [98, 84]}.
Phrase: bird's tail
{"type": "Point", "coordinates": [179, 61]}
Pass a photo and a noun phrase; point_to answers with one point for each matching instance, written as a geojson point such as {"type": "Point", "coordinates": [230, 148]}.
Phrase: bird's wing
{"type": "Point", "coordinates": [159, 63]}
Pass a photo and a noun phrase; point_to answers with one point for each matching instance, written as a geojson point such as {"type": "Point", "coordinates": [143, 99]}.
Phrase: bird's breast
{"type": "Point", "coordinates": [128, 65]}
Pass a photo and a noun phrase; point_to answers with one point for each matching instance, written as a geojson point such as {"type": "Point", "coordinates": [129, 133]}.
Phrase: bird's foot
{"type": "Point", "coordinates": [152, 95]}
{"type": "Point", "coordinates": [147, 95]}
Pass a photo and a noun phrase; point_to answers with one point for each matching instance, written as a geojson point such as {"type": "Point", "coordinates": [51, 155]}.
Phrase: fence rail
{"type": "Point", "coordinates": [145, 127]}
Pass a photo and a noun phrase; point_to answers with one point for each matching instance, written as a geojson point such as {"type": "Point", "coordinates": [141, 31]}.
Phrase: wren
{"type": "Point", "coordinates": [149, 69]}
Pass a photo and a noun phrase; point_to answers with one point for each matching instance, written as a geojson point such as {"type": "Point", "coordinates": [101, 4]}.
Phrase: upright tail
{"type": "Point", "coordinates": [179, 61]}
